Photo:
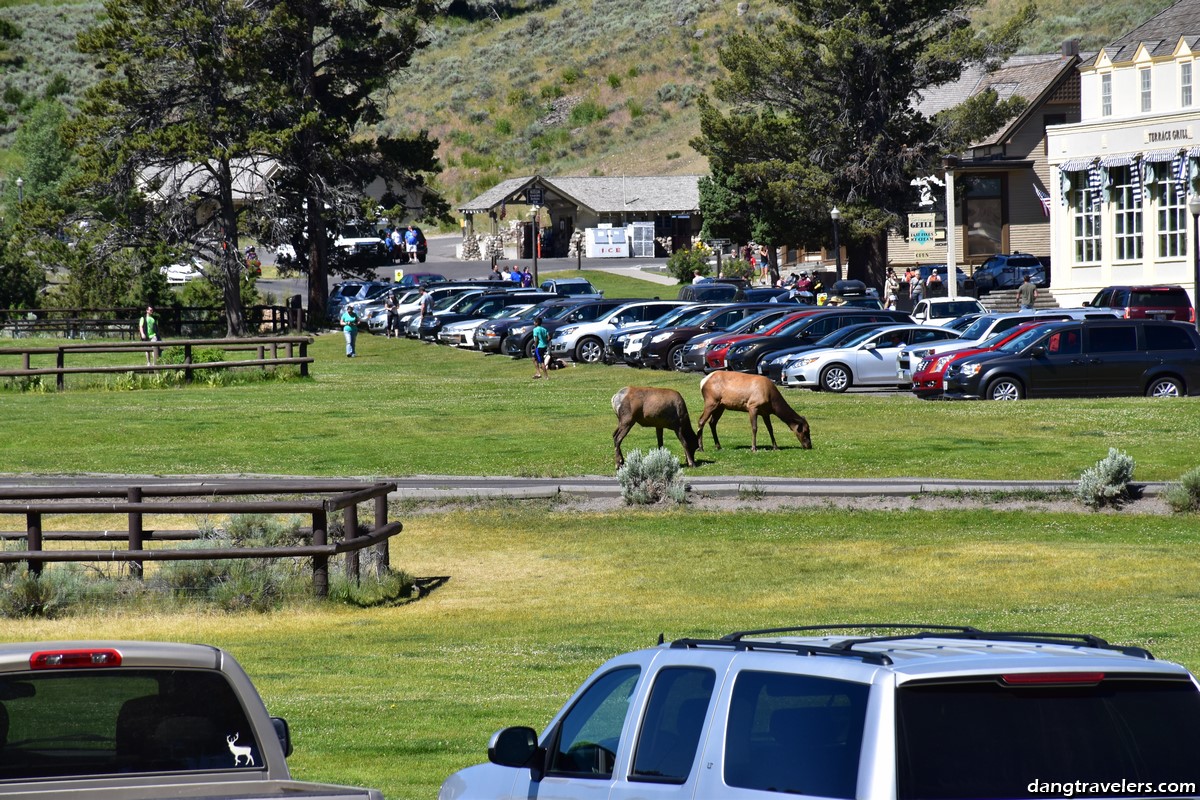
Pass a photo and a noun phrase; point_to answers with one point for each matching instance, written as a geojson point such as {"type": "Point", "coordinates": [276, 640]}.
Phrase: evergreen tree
{"type": "Point", "coordinates": [820, 111]}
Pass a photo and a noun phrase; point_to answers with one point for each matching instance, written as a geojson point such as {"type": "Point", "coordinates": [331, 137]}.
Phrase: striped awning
{"type": "Point", "coordinates": [1076, 164]}
{"type": "Point", "coordinates": [1116, 161]}
{"type": "Point", "coordinates": [1157, 156]}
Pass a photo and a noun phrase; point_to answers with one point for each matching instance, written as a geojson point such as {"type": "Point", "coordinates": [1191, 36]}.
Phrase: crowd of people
{"type": "Point", "coordinates": [512, 275]}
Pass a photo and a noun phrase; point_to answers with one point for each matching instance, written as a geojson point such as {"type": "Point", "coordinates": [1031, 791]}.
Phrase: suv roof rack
{"type": "Point", "coordinates": [964, 632]}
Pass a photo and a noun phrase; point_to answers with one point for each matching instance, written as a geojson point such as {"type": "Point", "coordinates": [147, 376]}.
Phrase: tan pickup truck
{"type": "Point", "coordinates": [140, 721]}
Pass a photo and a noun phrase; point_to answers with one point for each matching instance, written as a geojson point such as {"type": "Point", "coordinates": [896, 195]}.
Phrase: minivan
{"type": "Point", "coordinates": [1089, 358]}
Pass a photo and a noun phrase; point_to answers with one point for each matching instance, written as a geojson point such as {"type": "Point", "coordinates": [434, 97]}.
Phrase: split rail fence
{"type": "Point", "coordinates": [229, 496]}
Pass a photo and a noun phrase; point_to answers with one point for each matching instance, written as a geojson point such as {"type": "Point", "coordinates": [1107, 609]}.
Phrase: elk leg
{"type": "Point", "coordinates": [767, 421]}
{"type": "Point", "coordinates": [659, 431]}
{"type": "Point", "coordinates": [713, 419]}
{"type": "Point", "coordinates": [619, 436]}
{"type": "Point", "coordinates": [691, 461]}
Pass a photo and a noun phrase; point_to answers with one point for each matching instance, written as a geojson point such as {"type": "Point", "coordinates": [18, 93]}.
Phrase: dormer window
{"type": "Point", "coordinates": [1144, 83]}
{"type": "Point", "coordinates": [1106, 95]}
{"type": "Point", "coordinates": [1185, 84]}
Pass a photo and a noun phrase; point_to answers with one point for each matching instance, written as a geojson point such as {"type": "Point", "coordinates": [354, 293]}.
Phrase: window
{"type": "Point", "coordinates": [795, 734]}
{"type": "Point", "coordinates": [984, 216]}
{"type": "Point", "coordinates": [1168, 337]}
{"type": "Point", "coordinates": [586, 742]}
{"type": "Point", "coordinates": [1112, 340]}
{"type": "Point", "coordinates": [1127, 217]}
{"type": "Point", "coordinates": [1172, 213]}
{"type": "Point", "coordinates": [1185, 84]}
{"type": "Point", "coordinates": [1144, 84]}
{"type": "Point", "coordinates": [1064, 343]}
{"type": "Point", "coordinates": [1106, 95]}
{"type": "Point", "coordinates": [1086, 233]}
{"type": "Point", "coordinates": [675, 715]}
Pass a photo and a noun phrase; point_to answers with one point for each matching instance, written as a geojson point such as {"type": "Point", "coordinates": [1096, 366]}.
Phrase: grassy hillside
{"type": "Point", "coordinates": [586, 87]}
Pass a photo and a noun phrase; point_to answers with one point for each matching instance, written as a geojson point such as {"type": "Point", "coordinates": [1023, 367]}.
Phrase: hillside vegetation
{"type": "Point", "coordinates": [587, 87]}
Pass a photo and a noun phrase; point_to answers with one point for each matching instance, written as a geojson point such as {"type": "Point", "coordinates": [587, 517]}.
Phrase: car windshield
{"type": "Point", "coordinates": [348, 289]}
{"type": "Point", "coordinates": [510, 311]}
{"type": "Point", "coordinates": [860, 337]}
{"type": "Point", "coordinates": [363, 231]}
{"type": "Point", "coordinates": [1024, 340]}
{"type": "Point", "coordinates": [954, 309]}
{"type": "Point", "coordinates": [674, 314]}
{"type": "Point", "coordinates": [757, 322]}
{"type": "Point", "coordinates": [697, 315]}
{"type": "Point", "coordinates": [843, 335]}
{"type": "Point", "coordinates": [575, 288]}
{"type": "Point", "coordinates": [978, 328]}
{"type": "Point", "coordinates": [1160, 299]}
{"type": "Point", "coordinates": [451, 301]}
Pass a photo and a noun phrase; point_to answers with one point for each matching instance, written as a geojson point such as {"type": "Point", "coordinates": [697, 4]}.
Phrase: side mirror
{"type": "Point", "coordinates": [1087, 303]}
{"type": "Point", "coordinates": [516, 747]}
{"type": "Point", "coordinates": [870, 346]}
{"type": "Point", "coordinates": [284, 734]}
{"type": "Point", "coordinates": [1036, 352]}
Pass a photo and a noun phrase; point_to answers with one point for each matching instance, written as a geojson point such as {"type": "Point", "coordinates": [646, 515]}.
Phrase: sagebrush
{"type": "Point", "coordinates": [1106, 483]}
{"type": "Point", "coordinates": [651, 478]}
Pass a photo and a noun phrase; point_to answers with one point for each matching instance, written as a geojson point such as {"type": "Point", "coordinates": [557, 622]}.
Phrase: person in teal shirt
{"type": "Point", "coordinates": [541, 349]}
{"type": "Point", "coordinates": [350, 328]}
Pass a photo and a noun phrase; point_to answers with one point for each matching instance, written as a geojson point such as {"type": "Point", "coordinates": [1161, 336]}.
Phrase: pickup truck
{"type": "Point", "coordinates": [141, 721]}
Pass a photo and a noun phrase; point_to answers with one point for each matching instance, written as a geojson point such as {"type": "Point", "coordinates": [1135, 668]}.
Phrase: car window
{"type": "Point", "coordinates": [795, 734]}
{"type": "Point", "coordinates": [1160, 299]}
{"type": "Point", "coordinates": [1111, 729]}
{"type": "Point", "coordinates": [1064, 343]}
{"type": "Point", "coordinates": [1168, 337]}
{"type": "Point", "coordinates": [823, 325]}
{"type": "Point", "coordinates": [586, 741]}
{"type": "Point", "coordinates": [673, 724]}
{"type": "Point", "coordinates": [1112, 339]}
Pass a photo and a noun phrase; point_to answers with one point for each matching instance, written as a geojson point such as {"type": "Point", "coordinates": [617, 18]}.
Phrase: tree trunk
{"type": "Point", "coordinates": [318, 265]}
{"type": "Point", "coordinates": [231, 260]}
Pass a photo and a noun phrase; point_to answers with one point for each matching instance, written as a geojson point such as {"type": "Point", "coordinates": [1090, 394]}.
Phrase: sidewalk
{"type": "Point", "coordinates": [654, 275]}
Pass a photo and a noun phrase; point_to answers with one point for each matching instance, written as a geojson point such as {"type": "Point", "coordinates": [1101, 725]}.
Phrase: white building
{"type": "Point", "coordinates": [1122, 174]}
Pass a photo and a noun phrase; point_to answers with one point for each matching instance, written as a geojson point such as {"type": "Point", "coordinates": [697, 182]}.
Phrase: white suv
{"type": "Point", "coordinates": [585, 341]}
{"type": "Point", "coordinates": [918, 713]}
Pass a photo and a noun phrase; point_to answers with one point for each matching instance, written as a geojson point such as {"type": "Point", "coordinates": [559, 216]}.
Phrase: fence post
{"type": "Point", "coordinates": [262, 354]}
{"type": "Point", "coordinates": [320, 564]}
{"type": "Point", "coordinates": [187, 363]}
{"type": "Point", "coordinates": [134, 495]}
{"type": "Point", "coordinates": [33, 540]}
{"type": "Point", "coordinates": [304, 364]}
{"type": "Point", "coordinates": [351, 532]}
{"type": "Point", "coordinates": [58, 362]}
{"type": "Point", "coordinates": [383, 560]}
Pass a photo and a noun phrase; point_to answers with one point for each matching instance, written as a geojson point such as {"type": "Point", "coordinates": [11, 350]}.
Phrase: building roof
{"type": "Point", "coordinates": [603, 195]}
{"type": "Point", "coordinates": [250, 178]}
{"type": "Point", "coordinates": [1033, 80]}
{"type": "Point", "coordinates": [1160, 34]}
{"type": "Point", "coordinates": [973, 80]}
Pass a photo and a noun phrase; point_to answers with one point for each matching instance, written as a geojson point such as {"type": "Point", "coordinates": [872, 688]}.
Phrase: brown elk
{"type": "Point", "coordinates": [755, 394]}
{"type": "Point", "coordinates": [656, 408]}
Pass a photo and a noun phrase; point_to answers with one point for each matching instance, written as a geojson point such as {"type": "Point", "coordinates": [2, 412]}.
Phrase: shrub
{"type": "Point", "coordinates": [636, 109]}
{"type": "Point", "coordinates": [614, 80]}
{"type": "Point", "coordinates": [651, 478]}
{"type": "Point", "coordinates": [200, 355]}
{"type": "Point", "coordinates": [503, 127]}
{"type": "Point", "coordinates": [683, 263]}
{"type": "Point", "coordinates": [391, 588]}
{"type": "Point", "coordinates": [1107, 483]}
{"type": "Point", "coordinates": [32, 596]}
{"type": "Point", "coordinates": [572, 75]}
{"type": "Point", "coordinates": [1185, 495]}
{"type": "Point", "coordinates": [587, 112]}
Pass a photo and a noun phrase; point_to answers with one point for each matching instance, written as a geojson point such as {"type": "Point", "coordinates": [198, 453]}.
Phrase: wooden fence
{"type": "Point", "coordinates": [136, 501]}
{"type": "Point", "coordinates": [121, 323]}
{"type": "Point", "coordinates": [282, 352]}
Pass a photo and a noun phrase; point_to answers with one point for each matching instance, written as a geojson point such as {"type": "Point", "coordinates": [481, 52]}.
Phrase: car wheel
{"type": "Point", "coordinates": [675, 358]}
{"type": "Point", "coordinates": [529, 348]}
{"type": "Point", "coordinates": [421, 257]}
{"type": "Point", "coordinates": [835, 378]}
{"type": "Point", "coordinates": [1165, 387]}
{"type": "Point", "coordinates": [1005, 389]}
{"type": "Point", "coordinates": [589, 351]}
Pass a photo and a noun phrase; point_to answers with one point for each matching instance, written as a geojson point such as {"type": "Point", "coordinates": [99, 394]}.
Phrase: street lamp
{"type": "Point", "coordinates": [20, 190]}
{"type": "Point", "coordinates": [537, 212]}
{"type": "Point", "coordinates": [835, 215]}
{"type": "Point", "coordinates": [949, 163]}
{"type": "Point", "coordinates": [1193, 204]}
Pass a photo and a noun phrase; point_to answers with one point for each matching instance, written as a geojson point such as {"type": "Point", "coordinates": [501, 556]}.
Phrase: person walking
{"type": "Point", "coordinates": [541, 349]}
{"type": "Point", "coordinates": [393, 319]}
{"type": "Point", "coordinates": [411, 240]}
{"type": "Point", "coordinates": [1027, 295]}
{"type": "Point", "coordinates": [350, 328]}
{"type": "Point", "coordinates": [424, 310]}
{"type": "Point", "coordinates": [148, 332]}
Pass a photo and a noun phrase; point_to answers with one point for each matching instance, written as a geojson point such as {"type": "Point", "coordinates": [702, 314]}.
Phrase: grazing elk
{"type": "Point", "coordinates": [755, 394]}
{"type": "Point", "coordinates": [656, 408]}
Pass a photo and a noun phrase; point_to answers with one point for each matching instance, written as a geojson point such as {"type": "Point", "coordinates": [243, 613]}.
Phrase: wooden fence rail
{"type": "Point", "coordinates": [81, 323]}
{"type": "Point", "coordinates": [36, 503]}
{"type": "Point", "coordinates": [258, 346]}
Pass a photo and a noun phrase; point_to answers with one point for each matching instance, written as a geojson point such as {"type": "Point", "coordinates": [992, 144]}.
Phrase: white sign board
{"type": "Point", "coordinates": [606, 243]}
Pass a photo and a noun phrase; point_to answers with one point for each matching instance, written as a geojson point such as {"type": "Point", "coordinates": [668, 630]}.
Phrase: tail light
{"type": "Point", "coordinates": [1053, 678]}
{"type": "Point", "coordinates": [74, 659]}
{"type": "Point", "coordinates": [1127, 315]}
{"type": "Point", "coordinates": [1192, 315]}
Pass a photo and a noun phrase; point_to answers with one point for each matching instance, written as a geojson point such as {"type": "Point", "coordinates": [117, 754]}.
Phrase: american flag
{"type": "Point", "coordinates": [1044, 199]}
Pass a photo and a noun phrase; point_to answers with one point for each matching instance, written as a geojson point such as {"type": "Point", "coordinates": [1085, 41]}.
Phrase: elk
{"type": "Point", "coordinates": [656, 408]}
{"type": "Point", "coordinates": [755, 394]}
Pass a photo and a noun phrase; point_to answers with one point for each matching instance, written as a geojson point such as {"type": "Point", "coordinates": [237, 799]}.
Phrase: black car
{"type": "Point", "coordinates": [491, 334]}
{"type": "Point", "coordinates": [615, 352]}
{"type": "Point", "coordinates": [478, 306]}
{"type": "Point", "coordinates": [773, 362]}
{"type": "Point", "coordinates": [1087, 358]}
{"type": "Point", "coordinates": [711, 292]}
{"type": "Point", "coordinates": [663, 349]}
{"type": "Point", "coordinates": [697, 347]}
{"type": "Point", "coordinates": [743, 356]}
{"type": "Point", "coordinates": [519, 342]}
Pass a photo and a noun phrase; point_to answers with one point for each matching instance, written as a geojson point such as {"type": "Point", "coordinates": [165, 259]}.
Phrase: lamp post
{"type": "Point", "coordinates": [1193, 204]}
{"type": "Point", "coordinates": [949, 163]}
{"type": "Point", "coordinates": [537, 212]}
{"type": "Point", "coordinates": [836, 215]}
{"type": "Point", "coordinates": [20, 190]}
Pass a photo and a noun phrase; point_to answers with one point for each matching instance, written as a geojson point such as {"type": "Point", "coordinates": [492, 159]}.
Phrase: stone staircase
{"type": "Point", "coordinates": [1005, 300]}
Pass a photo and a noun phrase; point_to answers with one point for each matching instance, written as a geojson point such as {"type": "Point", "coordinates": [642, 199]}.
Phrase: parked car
{"type": "Point", "coordinates": [519, 342]}
{"type": "Point", "coordinates": [929, 375]}
{"type": "Point", "coordinates": [699, 346]}
{"type": "Point", "coordinates": [984, 327]}
{"type": "Point", "coordinates": [869, 360]}
{"type": "Point", "coordinates": [859, 711]}
{"type": "Point", "coordinates": [1008, 272]}
{"type": "Point", "coordinates": [1088, 358]}
{"type": "Point", "coordinates": [491, 334]}
{"type": "Point", "coordinates": [420, 278]}
{"type": "Point", "coordinates": [578, 288]}
{"type": "Point", "coordinates": [185, 271]}
{"type": "Point", "coordinates": [372, 313]}
{"type": "Point", "coordinates": [348, 291]}
{"type": "Point", "coordinates": [474, 307]}
{"type": "Point", "coordinates": [925, 270]}
{"type": "Point", "coordinates": [773, 363]}
{"type": "Point", "coordinates": [462, 334]}
{"type": "Point", "coordinates": [711, 292]}
{"type": "Point", "coordinates": [585, 341]}
{"type": "Point", "coordinates": [619, 345]}
{"type": "Point", "coordinates": [1146, 302]}
{"type": "Point", "coordinates": [663, 349]}
{"type": "Point", "coordinates": [743, 356]}
{"type": "Point", "coordinates": [937, 310]}
{"type": "Point", "coordinates": [361, 241]}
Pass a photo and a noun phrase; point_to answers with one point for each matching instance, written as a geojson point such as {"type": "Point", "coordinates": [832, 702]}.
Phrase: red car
{"type": "Point", "coordinates": [927, 377]}
{"type": "Point", "coordinates": [714, 356]}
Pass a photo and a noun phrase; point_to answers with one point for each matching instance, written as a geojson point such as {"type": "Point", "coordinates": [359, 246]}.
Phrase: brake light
{"type": "Point", "coordinates": [1127, 315]}
{"type": "Point", "coordinates": [1192, 315]}
{"type": "Point", "coordinates": [74, 659]}
{"type": "Point", "coordinates": [1053, 678]}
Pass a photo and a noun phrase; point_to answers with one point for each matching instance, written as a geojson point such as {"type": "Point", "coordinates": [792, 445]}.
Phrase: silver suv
{"type": "Point", "coordinates": [916, 713]}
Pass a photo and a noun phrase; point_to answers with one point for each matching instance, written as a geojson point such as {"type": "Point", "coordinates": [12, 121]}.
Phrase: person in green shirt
{"type": "Point", "coordinates": [148, 331]}
{"type": "Point", "coordinates": [350, 328]}
{"type": "Point", "coordinates": [541, 349]}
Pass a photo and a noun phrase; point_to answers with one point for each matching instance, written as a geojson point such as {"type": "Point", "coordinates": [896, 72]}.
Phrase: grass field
{"type": "Point", "coordinates": [539, 594]}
